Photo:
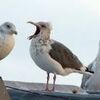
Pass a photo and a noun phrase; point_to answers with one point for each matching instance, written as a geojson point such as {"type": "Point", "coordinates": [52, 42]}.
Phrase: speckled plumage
{"type": "Point", "coordinates": [52, 56]}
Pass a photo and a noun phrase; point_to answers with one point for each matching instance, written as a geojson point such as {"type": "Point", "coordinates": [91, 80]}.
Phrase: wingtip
{"type": "Point", "coordinates": [87, 70]}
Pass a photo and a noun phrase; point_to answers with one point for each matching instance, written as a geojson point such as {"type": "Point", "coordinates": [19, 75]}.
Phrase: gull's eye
{"type": "Point", "coordinates": [8, 26]}
{"type": "Point", "coordinates": [43, 26]}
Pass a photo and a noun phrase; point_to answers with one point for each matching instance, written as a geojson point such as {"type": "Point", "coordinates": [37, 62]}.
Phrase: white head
{"type": "Point", "coordinates": [43, 28]}
{"type": "Point", "coordinates": [8, 28]}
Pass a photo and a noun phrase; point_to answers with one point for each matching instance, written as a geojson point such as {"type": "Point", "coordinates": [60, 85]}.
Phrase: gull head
{"type": "Point", "coordinates": [43, 28]}
{"type": "Point", "coordinates": [8, 28]}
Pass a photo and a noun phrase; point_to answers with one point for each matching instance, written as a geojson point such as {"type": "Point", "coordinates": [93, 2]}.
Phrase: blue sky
{"type": "Point", "coordinates": [76, 23]}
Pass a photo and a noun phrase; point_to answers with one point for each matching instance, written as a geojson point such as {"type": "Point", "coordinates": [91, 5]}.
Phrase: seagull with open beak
{"type": "Point", "coordinates": [52, 56]}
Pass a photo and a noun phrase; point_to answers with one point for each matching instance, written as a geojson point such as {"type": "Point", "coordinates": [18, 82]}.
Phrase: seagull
{"type": "Point", "coordinates": [52, 56]}
{"type": "Point", "coordinates": [86, 77]}
{"type": "Point", "coordinates": [7, 41]}
{"type": "Point", "coordinates": [92, 83]}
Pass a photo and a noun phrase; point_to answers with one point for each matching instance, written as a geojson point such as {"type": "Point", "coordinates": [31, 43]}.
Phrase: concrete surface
{"type": "Point", "coordinates": [34, 91]}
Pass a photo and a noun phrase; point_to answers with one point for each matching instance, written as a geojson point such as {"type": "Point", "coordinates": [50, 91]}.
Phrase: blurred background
{"type": "Point", "coordinates": [75, 24]}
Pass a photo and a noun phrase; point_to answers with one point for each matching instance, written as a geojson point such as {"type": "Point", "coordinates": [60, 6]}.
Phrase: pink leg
{"type": "Point", "coordinates": [54, 80]}
{"type": "Point", "coordinates": [48, 76]}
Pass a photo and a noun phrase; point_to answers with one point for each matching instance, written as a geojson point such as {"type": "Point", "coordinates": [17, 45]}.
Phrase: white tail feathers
{"type": "Point", "coordinates": [84, 70]}
{"type": "Point", "coordinates": [87, 73]}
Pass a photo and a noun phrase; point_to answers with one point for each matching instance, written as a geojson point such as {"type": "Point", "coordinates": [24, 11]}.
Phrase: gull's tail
{"type": "Point", "coordinates": [85, 70]}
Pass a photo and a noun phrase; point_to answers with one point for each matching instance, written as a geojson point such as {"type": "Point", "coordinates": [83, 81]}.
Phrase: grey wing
{"type": "Point", "coordinates": [86, 77]}
{"type": "Point", "coordinates": [64, 56]}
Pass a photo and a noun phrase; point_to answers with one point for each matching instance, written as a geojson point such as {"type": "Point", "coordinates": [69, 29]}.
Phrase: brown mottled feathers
{"type": "Point", "coordinates": [64, 56]}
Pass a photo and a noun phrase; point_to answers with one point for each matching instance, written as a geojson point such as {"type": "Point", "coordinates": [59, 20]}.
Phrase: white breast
{"type": "Point", "coordinates": [39, 54]}
{"type": "Point", "coordinates": [6, 45]}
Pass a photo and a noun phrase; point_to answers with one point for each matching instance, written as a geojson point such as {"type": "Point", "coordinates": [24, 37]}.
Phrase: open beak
{"type": "Point", "coordinates": [32, 23]}
{"type": "Point", "coordinates": [37, 30]}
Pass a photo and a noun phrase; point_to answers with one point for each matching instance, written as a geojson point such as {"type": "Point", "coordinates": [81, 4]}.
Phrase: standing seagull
{"type": "Point", "coordinates": [7, 41]}
{"type": "Point", "coordinates": [52, 56]}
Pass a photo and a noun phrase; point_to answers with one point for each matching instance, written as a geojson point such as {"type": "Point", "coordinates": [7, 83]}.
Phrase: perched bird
{"type": "Point", "coordinates": [51, 55]}
{"type": "Point", "coordinates": [86, 76]}
{"type": "Point", "coordinates": [7, 41]}
{"type": "Point", "coordinates": [92, 83]}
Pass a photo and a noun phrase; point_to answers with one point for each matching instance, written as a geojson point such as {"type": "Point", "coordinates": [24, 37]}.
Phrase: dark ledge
{"type": "Point", "coordinates": [34, 91]}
